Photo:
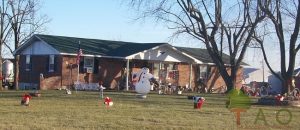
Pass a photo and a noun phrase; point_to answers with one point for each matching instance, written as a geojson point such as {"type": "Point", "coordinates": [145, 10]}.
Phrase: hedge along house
{"type": "Point", "coordinates": [49, 62]}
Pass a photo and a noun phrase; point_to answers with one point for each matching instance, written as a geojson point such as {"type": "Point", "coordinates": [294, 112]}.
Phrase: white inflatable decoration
{"type": "Point", "coordinates": [143, 84]}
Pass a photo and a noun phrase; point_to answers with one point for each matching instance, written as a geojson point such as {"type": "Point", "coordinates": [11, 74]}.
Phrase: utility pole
{"type": "Point", "coordinates": [263, 69]}
{"type": "Point", "coordinates": [32, 10]}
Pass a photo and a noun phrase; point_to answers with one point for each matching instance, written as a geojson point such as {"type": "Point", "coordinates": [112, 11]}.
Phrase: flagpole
{"type": "Point", "coordinates": [77, 77]}
{"type": "Point", "coordinates": [78, 63]}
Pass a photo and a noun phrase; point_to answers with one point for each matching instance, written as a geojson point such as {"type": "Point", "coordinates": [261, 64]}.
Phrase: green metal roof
{"type": "Point", "coordinates": [202, 55]}
{"type": "Point", "coordinates": [69, 45]}
{"type": "Point", "coordinates": [198, 53]}
{"type": "Point", "coordinates": [94, 46]}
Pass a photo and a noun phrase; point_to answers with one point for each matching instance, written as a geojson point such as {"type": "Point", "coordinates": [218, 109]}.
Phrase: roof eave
{"type": "Point", "coordinates": [153, 48]}
{"type": "Point", "coordinates": [23, 46]}
{"type": "Point", "coordinates": [29, 42]}
{"type": "Point", "coordinates": [191, 57]}
{"type": "Point", "coordinates": [87, 55]}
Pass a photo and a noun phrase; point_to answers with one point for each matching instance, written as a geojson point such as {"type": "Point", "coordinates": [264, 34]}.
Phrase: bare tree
{"type": "Point", "coordinates": [5, 31]}
{"type": "Point", "coordinates": [222, 26]}
{"type": "Point", "coordinates": [285, 18]}
{"type": "Point", "coordinates": [23, 24]}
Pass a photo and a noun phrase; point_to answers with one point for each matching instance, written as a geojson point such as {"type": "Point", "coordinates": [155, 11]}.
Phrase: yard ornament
{"type": "Point", "coordinates": [279, 98]}
{"type": "Point", "coordinates": [143, 85]}
{"type": "Point", "coordinates": [108, 102]}
{"type": "Point", "coordinates": [101, 88]}
{"type": "Point", "coordinates": [25, 99]}
{"type": "Point", "coordinates": [198, 101]}
{"type": "Point", "coordinates": [68, 91]}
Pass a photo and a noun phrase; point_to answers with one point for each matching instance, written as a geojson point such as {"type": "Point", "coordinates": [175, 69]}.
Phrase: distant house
{"type": "Point", "coordinates": [255, 74]}
{"type": "Point", "coordinates": [7, 72]}
{"type": "Point", "coordinates": [296, 75]}
{"type": "Point", "coordinates": [252, 74]}
{"type": "Point", "coordinates": [49, 62]}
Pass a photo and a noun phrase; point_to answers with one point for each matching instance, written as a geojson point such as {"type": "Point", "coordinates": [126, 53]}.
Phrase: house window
{"type": "Point", "coordinates": [203, 71]}
{"type": "Point", "coordinates": [88, 64]}
{"type": "Point", "coordinates": [51, 63]}
{"type": "Point", "coordinates": [28, 63]}
{"type": "Point", "coordinates": [173, 72]}
{"type": "Point", "coordinates": [155, 70]}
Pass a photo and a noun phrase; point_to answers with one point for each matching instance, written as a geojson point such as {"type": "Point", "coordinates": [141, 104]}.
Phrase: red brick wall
{"type": "Point", "coordinates": [110, 72]}
{"type": "Point", "coordinates": [70, 71]}
{"type": "Point", "coordinates": [184, 74]}
{"type": "Point", "coordinates": [239, 78]}
{"type": "Point", "coordinates": [297, 81]}
{"type": "Point", "coordinates": [53, 82]}
{"type": "Point", "coordinates": [40, 66]}
{"type": "Point", "coordinates": [215, 79]}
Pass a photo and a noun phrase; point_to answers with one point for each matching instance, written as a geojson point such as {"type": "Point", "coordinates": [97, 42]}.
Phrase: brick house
{"type": "Point", "coordinates": [296, 75]}
{"type": "Point", "coordinates": [49, 62]}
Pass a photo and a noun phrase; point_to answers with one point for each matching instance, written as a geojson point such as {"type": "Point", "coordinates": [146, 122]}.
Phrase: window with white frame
{"type": "Point", "coordinates": [51, 63]}
{"type": "Point", "coordinates": [28, 63]}
{"type": "Point", "coordinates": [203, 71]}
{"type": "Point", "coordinates": [89, 64]}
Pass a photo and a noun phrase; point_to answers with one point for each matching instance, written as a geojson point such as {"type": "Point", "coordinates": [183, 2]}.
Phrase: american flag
{"type": "Point", "coordinates": [79, 53]}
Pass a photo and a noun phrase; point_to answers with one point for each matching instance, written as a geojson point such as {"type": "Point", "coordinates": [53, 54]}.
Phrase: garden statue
{"type": "Point", "coordinates": [101, 88]}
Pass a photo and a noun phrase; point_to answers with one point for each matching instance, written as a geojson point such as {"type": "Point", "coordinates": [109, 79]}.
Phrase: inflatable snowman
{"type": "Point", "coordinates": [143, 86]}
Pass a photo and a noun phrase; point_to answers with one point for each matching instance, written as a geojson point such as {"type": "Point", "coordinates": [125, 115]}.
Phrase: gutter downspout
{"type": "Point", "coordinates": [159, 74]}
{"type": "Point", "coordinates": [127, 75]}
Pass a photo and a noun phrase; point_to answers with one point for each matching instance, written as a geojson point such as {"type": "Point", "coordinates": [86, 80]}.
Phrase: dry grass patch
{"type": "Point", "coordinates": [56, 110]}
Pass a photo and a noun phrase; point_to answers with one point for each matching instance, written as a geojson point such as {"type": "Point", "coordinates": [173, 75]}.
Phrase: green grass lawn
{"type": "Point", "coordinates": [56, 110]}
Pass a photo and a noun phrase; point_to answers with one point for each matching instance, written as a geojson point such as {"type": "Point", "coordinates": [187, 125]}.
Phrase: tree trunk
{"type": "Point", "coordinates": [230, 86]}
{"type": "Point", "coordinates": [287, 84]}
{"type": "Point", "coordinates": [230, 83]}
{"type": "Point", "coordinates": [1, 74]}
{"type": "Point", "coordinates": [284, 88]}
{"type": "Point", "coordinates": [16, 70]}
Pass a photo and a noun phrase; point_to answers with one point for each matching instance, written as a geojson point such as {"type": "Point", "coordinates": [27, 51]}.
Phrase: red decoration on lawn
{"type": "Point", "coordinates": [198, 102]}
{"type": "Point", "coordinates": [108, 101]}
{"type": "Point", "coordinates": [25, 99]}
{"type": "Point", "coordinates": [279, 98]}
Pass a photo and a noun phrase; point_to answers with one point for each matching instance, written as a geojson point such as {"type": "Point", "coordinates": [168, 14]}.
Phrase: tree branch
{"type": "Point", "coordinates": [266, 59]}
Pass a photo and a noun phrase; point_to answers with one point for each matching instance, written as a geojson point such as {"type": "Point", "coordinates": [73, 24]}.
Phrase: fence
{"type": "Point", "coordinates": [86, 86]}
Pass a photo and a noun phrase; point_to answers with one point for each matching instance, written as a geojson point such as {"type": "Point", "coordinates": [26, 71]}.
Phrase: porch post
{"type": "Point", "coordinates": [191, 72]}
{"type": "Point", "coordinates": [159, 73]}
{"type": "Point", "coordinates": [127, 75]}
